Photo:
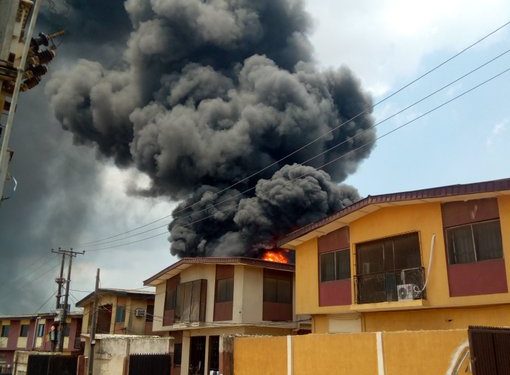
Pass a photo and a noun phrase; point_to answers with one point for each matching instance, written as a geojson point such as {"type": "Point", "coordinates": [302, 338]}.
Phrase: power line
{"type": "Point", "coordinates": [316, 139]}
{"type": "Point", "coordinates": [397, 128]}
{"type": "Point", "coordinates": [101, 247]}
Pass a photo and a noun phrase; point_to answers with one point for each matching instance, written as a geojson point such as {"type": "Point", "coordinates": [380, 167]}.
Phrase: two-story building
{"type": "Point", "coordinates": [428, 259]}
{"type": "Point", "coordinates": [31, 332]}
{"type": "Point", "coordinates": [200, 299]}
{"type": "Point", "coordinates": [119, 311]}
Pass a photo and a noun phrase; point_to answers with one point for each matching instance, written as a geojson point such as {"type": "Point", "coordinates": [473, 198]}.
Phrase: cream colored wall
{"type": "Point", "coordinates": [159, 307]}
{"type": "Point", "coordinates": [238, 298]}
{"type": "Point", "coordinates": [134, 324]}
{"type": "Point", "coordinates": [252, 294]}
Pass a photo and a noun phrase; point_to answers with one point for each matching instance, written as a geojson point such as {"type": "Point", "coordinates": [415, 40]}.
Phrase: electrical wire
{"type": "Point", "coordinates": [428, 72]}
{"type": "Point", "coordinates": [46, 301]}
{"type": "Point", "coordinates": [348, 152]}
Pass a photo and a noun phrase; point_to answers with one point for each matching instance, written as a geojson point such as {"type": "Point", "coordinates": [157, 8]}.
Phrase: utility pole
{"type": "Point", "coordinates": [93, 327]}
{"type": "Point", "coordinates": [61, 328]}
{"type": "Point", "coordinates": [60, 280]}
{"type": "Point", "coordinates": [4, 153]}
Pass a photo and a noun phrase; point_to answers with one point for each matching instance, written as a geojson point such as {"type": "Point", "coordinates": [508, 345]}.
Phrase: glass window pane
{"type": "Point", "coordinates": [488, 240]}
{"type": "Point", "coordinates": [327, 266]}
{"type": "Point", "coordinates": [40, 330]}
{"type": "Point", "coordinates": [460, 245]}
{"type": "Point", "coordinates": [120, 314]}
{"type": "Point", "coordinates": [270, 290]}
{"type": "Point", "coordinates": [5, 331]}
{"type": "Point", "coordinates": [407, 251]}
{"type": "Point", "coordinates": [370, 258]}
{"type": "Point", "coordinates": [24, 330]}
{"type": "Point", "coordinates": [225, 290]}
{"type": "Point", "coordinates": [343, 265]}
{"type": "Point", "coordinates": [284, 291]}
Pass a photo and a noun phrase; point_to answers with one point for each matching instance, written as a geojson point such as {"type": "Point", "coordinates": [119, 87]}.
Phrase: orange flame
{"type": "Point", "coordinates": [275, 256]}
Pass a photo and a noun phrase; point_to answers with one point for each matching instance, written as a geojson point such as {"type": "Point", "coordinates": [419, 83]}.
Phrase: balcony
{"type": "Point", "coordinates": [387, 286]}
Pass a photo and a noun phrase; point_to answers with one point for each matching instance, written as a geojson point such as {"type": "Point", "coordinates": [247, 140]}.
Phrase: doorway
{"type": "Point", "coordinates": [197, 355]}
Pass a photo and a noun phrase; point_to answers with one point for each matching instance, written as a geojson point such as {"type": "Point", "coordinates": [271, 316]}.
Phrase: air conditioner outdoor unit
{"type": "Point", "coordinates": [407, 291]}
{"type": "Point", "coordinates": [139, 313]}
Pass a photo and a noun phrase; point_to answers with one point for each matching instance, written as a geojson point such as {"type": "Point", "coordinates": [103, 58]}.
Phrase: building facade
{"type": "Point", "coordinates": [31, 332]}
{"type": "Point", "coordinates": [200, 300]}
{"type": "Point", "coordinates": [120, 311]}
{"type": "Point", "coordinates": [427, 259]}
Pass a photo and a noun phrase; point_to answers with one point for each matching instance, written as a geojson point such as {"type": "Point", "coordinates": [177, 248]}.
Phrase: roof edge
{"type": "Point", "coordinates": [428, 193]}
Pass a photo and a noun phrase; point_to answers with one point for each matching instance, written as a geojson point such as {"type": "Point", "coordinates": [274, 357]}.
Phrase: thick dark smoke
{"type": "Point", "coordinates": [208, 93]}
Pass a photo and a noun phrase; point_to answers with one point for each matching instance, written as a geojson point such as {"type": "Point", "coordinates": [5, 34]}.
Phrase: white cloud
{"type": "Point", "coordinates": [387, 41]}
{"type": "Point", "coordinates": [496, 131]}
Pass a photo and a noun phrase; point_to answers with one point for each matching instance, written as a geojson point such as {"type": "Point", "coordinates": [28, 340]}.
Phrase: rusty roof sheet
{"type": "Point", "coordinates": [437, 192]}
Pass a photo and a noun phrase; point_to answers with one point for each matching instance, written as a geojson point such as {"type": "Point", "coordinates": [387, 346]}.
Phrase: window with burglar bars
{"type": "Point", "coordinates": [383, 265]}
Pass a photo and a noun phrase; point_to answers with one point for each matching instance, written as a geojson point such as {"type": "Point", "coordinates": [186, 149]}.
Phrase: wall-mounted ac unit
{"type": "Point", "coordinates": [139, 313]}
{"type": "Point", "coordinates": [407, 291]}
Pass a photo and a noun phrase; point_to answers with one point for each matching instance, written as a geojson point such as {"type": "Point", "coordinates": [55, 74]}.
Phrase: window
{"type": "Point", "coordinates": [190, 301]}
{"type": "Point", "coordinates": [474, 242]}
{"type": "Point", "coordinates": [177, 354]}
{"type": "Point", "coordinates": [23, 330]}
{"type": "Point", "coordinates": [40, 330]}
{"type": "Point", "coordinates": [5, 331]}
{"type": "Point", "coordinates": [335, 265]}
{"type": "Point", "coordinates": [149, 314]}
{"type": "Point", "coordinates": [384, 264]}
{"type": "Point", "coordinates": [225, 290]}
{"type": "Point", "coordinates": [389, 254]}
{"type": "Point", "coordinates": [277, 290]}
{"type": "Point", "coordinates": [120, 314]}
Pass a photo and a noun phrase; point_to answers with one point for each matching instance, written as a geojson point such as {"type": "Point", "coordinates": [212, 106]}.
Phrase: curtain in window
{"type": "Point", "coordinates": [460, 245]}
{"type": "Point", "coordinates": [488, 240]}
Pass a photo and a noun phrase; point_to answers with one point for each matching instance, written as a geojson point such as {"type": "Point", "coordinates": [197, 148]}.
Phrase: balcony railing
{"type": "Point", "coordinates": [406, 284]}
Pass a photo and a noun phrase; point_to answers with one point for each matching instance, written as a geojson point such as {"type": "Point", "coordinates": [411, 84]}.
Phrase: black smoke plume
{"type": "Point", "coordinates": [208, 93]}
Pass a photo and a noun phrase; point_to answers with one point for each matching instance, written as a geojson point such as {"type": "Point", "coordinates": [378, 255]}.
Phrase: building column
{"type": "Point", "coordinates": [206, 355]}
{"type": "Point", "coordinates": [186, 342]}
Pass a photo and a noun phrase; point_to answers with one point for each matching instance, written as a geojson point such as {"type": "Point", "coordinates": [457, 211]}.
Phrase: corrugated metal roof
{"type": "Point", "coordinates": [431, 193]}
{"type": "Point", "coordinates": [118, 292]}
{"type": "Point", "coordinates": [221, 260]}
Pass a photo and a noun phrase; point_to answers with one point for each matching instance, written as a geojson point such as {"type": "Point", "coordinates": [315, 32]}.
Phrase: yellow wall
{"type": "Point", "coordinates": [420, 353]}
{"type": "Point", "coordinates": [261, 355]}
{"type": "Point", "coordinates": [334, 354]}
{"type": "Point", "coordinates": [424, 218]}
{"type": "Point", "coordinates": [453, 318]}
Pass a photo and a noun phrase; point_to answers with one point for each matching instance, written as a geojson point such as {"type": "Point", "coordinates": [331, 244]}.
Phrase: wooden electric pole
{"type": "Point", "coordinates": [60, 280]}
{"type": "Point", "coordinates": [93, 327]}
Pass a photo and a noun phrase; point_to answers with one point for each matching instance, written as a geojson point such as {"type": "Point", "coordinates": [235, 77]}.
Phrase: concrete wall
{"type": "Point", "coordinates": [261, 355]}
{"type": "Point", "coordinates": [424, 218]}
{"type": "Point", "coordinates": [417, 353]}
{"type": "Point", "coordinates": [252, 294]}
{"type": "Point", "coordinates": [111, 353]}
